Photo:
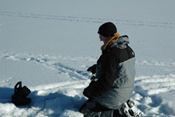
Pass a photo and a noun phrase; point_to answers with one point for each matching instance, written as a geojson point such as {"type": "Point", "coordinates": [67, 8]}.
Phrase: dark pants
{"type": "Point", "coordinates": [91, 108]}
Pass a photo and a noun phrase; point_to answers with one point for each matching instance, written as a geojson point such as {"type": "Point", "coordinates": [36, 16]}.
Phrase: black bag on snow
{"type": "Point", "coordinates": [19, 97]}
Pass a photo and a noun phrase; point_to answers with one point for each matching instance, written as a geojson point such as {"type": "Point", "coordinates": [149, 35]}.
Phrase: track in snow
{"type": "Point", "coordinates": [153, 84]}
{"type": "Point", "coordinates": [88, 19]}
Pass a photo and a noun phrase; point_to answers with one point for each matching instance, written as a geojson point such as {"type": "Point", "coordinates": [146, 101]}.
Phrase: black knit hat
{"type": "Point", "coordinates": [107, 29]}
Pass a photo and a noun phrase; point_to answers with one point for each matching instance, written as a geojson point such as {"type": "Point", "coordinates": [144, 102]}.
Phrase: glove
{"type": "Point", "coordinates": [92, 69]}
{"type": "Point", "coordinates": [85, 93]}
{"type": "Point", "coordinates": [89, 92]}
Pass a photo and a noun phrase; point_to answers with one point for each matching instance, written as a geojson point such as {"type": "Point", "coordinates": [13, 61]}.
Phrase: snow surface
{"type": "Point", "coordinates": [49, 44]}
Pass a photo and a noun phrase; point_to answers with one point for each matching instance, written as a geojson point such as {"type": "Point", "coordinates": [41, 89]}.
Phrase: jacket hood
{"type": "Point", "coordinates": [121, 42]}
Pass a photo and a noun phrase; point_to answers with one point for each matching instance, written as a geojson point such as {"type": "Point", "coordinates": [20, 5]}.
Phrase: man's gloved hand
{"type": "Point", "coordinates": [92, 69]}
{"type": "Point", "coordinates": [90, 92]}
{"type": "Point", "coordinates": [86, 93]}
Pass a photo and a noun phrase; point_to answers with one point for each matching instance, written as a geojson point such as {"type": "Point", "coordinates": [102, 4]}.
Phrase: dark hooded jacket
{"type": "Point", "coordinates": [115, 70]}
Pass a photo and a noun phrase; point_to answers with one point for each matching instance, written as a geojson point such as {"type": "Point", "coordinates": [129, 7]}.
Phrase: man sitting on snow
{"type": "Point", "coordinates": [113, 84]}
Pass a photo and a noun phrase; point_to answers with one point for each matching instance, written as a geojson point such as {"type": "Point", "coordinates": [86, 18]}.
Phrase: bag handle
{"type": "Point", "coordinates": [17, 87]}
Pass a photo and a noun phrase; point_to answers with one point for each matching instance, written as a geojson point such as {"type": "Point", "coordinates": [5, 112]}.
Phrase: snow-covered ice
{"type": "Point", "coordinates": [48, 45]}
